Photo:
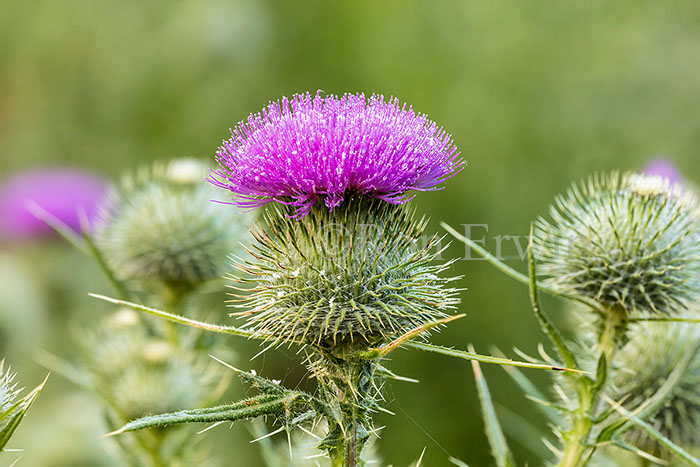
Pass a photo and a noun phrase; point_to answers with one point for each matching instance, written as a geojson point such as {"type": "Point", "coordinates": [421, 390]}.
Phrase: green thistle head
{"type": "Point", "coordinates": [138, 374]}
{"type": "Point", "coordinates": [161, 224]}
{"type": "Point", "coordinates": [629, 242]}
{"type": "Point", "coordinates": [646, 363]}
{"type": "Point", "coordinates": [345, 279]}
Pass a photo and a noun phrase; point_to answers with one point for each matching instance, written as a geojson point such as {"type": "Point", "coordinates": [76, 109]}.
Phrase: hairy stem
{"type": "Point", "coordinates": [577, 446]}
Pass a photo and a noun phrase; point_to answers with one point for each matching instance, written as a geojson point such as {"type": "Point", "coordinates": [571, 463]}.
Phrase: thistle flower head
{"type": "Point", "coordinates": [160, 224]}
{"type": "Point", "coordinates": [308, 149]}
{"type": "Point", "coordinates": [352, 277]}
{"type": "Point", "coordinates": [629, 242]}
{"type": "Point", "coordinates": [655, 351]}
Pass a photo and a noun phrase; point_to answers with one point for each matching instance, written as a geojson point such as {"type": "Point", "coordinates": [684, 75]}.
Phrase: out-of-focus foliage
{"type": "Point", "coordinates": [535, 94]}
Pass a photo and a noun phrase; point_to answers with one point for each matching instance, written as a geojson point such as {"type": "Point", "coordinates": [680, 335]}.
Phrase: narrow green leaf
{"type": "Point", "coordinates": [530, 389]}
{"type": "Point", "coordinates": [654, 433]}
{"type": "Point", "coordinates": [522, 431]}
{"type": "Point", "coordinates": [483, 358]}
{"type": "Point", "coordinates": [499, 447]}
{"type": "Point", "coordinates": [265, 404]}
{"type": "Point", "coordinates": [643, 454]}
{"type": "Point", "coordinates": [95, 252]}
{"type": "Point", "coordinates": [265, 385]}
{"type": "Point", "coordinates": [183, 320]}
{"type": "Point", "coordinates": [57, 225]}
{"type": "Point", "coordinates": [457, 462]}
{"type": "Point", "coordinates": [669, 319]}
{"type": "Point", "coordinates": [544, 321]}
{"type": "Point", "coordinates": [501, 266]}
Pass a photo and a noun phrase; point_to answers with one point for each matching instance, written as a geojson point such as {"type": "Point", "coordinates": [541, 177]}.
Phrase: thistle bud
{"type": "Point", "coordinates": [644, 365]}
{"type": "Point", "coordinates": [139, 374]}
{"type": "Point", "coordinates": [629, 242]}
{"type": "Point", "coordinates": [346, 278]}
{"type": "Point", "coordinates": [161, 224]}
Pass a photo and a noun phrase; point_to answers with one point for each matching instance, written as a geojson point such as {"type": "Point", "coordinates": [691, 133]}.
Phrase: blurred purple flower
{"type": "Point", "coordinates": [63, 193]}
{"type": "Point", "coordinates": [665, 169]}
{"type": "Point", "coordinates": [306, 149]}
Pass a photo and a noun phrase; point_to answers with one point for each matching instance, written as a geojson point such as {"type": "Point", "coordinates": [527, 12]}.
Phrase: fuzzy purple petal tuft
{"type": "Point", "coordinates": [306, 149]}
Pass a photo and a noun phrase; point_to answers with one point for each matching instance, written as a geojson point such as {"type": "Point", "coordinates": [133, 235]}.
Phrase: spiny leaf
{"type": "Point", "coordinates": [265, 404]}
{"type": "Point", "coordinates": [263, 384]}
{"type": "Point", "coordinates": [501, 266]}
{"type": "Point", "coordinates": [667, 319]}
{"type": "Point", "coordinates": [499, 447]}
{"type": "Point", "coordinates": [221, 329]}
{"type": "Point", "coordinates": [545, 323]}
{"type": "Point", "coordinates": [483, 358]}
{"type": "Point", "coordinates": [12, 417]}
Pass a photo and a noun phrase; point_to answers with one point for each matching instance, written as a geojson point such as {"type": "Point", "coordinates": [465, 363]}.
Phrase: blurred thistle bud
{"type": "Point", "coordinates": [161, 225]}
{"type": "Point", "coordinates": [344, 279]}
{"type": "Point", "coordinates": [630, 243]}
{"type": "Point", "coordinates": [138, 374]}
{"type": "Point", "coordinates": [647, 362]}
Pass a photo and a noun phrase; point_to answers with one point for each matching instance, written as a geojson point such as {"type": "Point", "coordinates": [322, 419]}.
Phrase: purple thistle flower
{"type": "Point", "coordinates": [306, 149]}
{"type": "Point", "coordinates": [64, 193]}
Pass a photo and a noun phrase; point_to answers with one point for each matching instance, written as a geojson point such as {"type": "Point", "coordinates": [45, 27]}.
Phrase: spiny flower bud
{"type": "Point", "coordinates": [629, 242]}
{"type": "Point", "coordinates": [644, 364]}
{"type": "Point", "coordinates": [161, 224]}
{"type": "Point", "coordinates": [139, 374]}
{"type": "Point", "coordinates": [348, 278]}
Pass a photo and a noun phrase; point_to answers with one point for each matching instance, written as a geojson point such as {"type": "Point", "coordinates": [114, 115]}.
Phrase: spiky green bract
{"type": "Point", "coordinates": [12, 409]}
{"type": "Point", "coordinates": [160, 224]}
{"type": "Point", "coordinates": [644, 365]}
{"type": "Point", "coordinates": [629, 242]}
{"type": "Point", "coordinates": [344, 280]}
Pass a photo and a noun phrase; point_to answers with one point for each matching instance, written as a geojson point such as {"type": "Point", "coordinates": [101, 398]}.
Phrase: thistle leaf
{"type": "Point", "coordinates": [57, 225]}
{"type": "Point", "coordinates": [522, 278]}
{"type": "Point", "coordinates": [671, 319]}
{"type": "Point", "coordinates": [483, 358]}
{"type": "Point", "coordinates": [12, 416]}
{"type": "Point", "coordinates": [499, 447]}
{"type": "Point", "coordinates": [544, 321]}
{"type": "Point", "coordinates": [221, 329]}
{"type": "Point", "coordinates": [265, 404]}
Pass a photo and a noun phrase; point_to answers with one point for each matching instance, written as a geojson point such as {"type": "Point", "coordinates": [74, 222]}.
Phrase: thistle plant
{"type": "Point", "coordinates": [12, 407]}
{"type": "Point", "coordinates": [628, 248]}
{"type": "Point", "coordinates": [339, 264]}
{"type": "Point", "coordinates": [158, 236]}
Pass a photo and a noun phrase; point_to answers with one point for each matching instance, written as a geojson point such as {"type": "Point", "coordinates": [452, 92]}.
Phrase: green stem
{"type": "Point", "coordinates": [352, 385]}
{"type": "Point", "coordinates": [577, 449]}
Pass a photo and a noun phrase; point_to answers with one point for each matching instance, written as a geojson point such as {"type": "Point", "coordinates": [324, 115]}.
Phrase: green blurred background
{"type": "Point", "coordinates": [535, 94]}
